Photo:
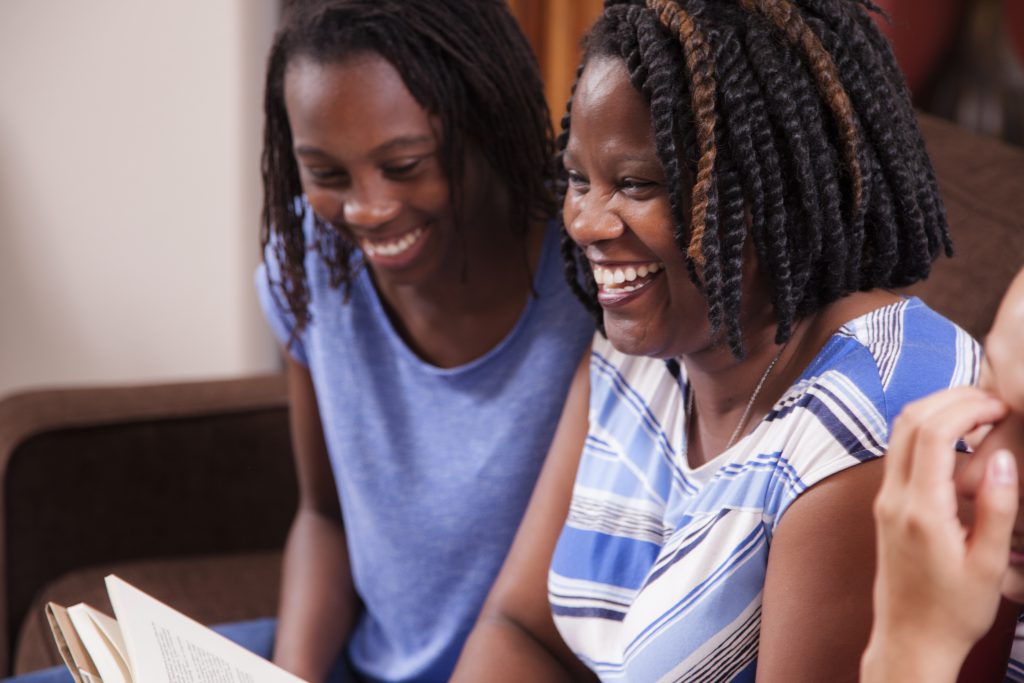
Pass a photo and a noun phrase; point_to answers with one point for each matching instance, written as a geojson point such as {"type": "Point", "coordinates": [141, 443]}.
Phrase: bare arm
{"type": "Point", "coordinates": [318, 601]}
{"type": "Point", "coordinates": [817, 594]}
{"type": "Point", "coordinates": [515, 638]}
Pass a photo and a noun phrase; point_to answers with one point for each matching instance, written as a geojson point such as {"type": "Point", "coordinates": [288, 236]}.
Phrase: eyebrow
{"type": "Point", "coordinates": [390, 145]}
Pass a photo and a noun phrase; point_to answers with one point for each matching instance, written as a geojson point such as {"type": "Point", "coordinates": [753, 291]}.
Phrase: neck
{"type": "Point", "coordinates": [727, 400]}
{"type": "Point", "coordinates": [453, 321]}
{"type": "Point", "coordinates": [722, 385]}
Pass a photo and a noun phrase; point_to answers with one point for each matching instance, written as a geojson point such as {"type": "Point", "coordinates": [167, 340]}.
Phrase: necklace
{"type": "Point", "coordinates": [750, 403]}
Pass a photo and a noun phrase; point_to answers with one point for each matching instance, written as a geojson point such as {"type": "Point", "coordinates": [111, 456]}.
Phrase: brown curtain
{"type": "Point", "coordinates": [554, 29]}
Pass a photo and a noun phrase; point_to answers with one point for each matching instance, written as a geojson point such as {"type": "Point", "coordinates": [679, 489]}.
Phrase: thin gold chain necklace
{"type": "Point", "coordinates": [750, 403]}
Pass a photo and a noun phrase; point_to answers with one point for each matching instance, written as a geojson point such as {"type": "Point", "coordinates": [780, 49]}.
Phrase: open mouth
{"type": "Point", "coordinates": [1017, 549]}
{"type": "Point", "coordinates": [625, 279]}
{"type": "Point", "coordinates": [393, 246]}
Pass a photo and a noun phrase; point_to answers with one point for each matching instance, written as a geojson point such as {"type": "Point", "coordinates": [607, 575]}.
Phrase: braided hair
{"type": "Point", "coordinates": [786, 122]}
{"type": "Point", "coordinates": [491, 99]}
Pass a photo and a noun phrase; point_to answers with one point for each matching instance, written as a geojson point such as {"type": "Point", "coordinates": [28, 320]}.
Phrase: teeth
{"type": "Point", "coordinates": [392, 247]}
{"type": "Point", "coordinates": [612, 277]}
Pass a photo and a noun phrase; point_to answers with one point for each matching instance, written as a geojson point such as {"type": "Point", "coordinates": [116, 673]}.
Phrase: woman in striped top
{"type": "Point", "coordinates": [745, 181]}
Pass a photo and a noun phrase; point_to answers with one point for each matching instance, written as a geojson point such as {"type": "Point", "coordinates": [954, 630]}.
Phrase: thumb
{"type": "Point", "coordinates": [995, 512]}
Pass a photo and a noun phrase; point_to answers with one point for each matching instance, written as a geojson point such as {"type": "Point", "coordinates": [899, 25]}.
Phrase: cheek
{"type": "Point", "coordinates": [325, 203]}
{"type": "Point", "coordinates": [570, 211]}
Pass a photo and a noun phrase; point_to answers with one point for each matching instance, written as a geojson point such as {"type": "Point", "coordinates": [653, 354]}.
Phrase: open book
{"type": "Point", "coordinates": [150, 643]}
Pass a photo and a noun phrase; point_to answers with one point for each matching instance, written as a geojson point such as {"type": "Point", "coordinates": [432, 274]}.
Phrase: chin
{"type": "Point", "coordinates": [632, 339]}
{"type": "Point", "coordinates": [1013, 585]}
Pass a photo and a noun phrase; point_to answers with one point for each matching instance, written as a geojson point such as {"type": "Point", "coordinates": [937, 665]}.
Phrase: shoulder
{"type": "Point", "coordinates": [877, 362]}
{"type": "Point", "coordinates": [840, 411]}
{"type": "Point", "coordinates": [915, 351]}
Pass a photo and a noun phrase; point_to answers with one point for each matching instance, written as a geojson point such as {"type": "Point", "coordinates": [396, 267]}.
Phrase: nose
{"type": "Point", "coordinates": [589, 219]}
{"type": "Point", "coordinates": [370, 208]}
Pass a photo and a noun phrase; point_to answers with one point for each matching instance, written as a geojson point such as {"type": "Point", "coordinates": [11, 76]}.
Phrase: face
{"type": "Point", "coordinates": [617, 210]}
{"type": "Point", "coordinates": [368, 158]}
{"type": "Point", "coordinates": [1007, 434]}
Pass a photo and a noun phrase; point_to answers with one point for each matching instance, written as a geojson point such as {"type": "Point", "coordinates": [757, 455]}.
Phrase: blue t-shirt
{"type": "Point", "coordinates": [434, 467]}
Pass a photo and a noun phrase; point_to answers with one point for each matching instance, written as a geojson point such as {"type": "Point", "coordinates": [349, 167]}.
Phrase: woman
{"type": "Point", "coordinates": [940, 577]}
{"type": "Point", "coordinates": [412, 275]}
{"type": "Point", "coordinates": [745, 180]}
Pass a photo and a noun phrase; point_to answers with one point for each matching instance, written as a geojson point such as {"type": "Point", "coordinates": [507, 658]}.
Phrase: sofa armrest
{"type": "Point", "coordinates": [982, 184]}
{"type": "Point", "coordinates": [96, 476]}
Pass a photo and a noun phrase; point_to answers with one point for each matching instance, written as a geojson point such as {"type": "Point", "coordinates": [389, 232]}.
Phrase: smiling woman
{"type": "Point", "coordinates": [412, 276]}
{"type": "Point", "coordinates": [738, 203]}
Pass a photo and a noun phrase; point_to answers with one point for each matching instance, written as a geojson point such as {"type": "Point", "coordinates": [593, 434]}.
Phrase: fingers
{"type": "Point", "coordinates": [940, 427]}
{"type": "Point", "coordinates": [988, 546]}
{"type": "Point", "coordinates": [921, 443]}
{"type": "Point", "coordinates": [900, 455]}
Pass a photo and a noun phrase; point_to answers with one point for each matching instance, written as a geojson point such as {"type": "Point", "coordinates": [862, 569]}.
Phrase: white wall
{"type": "Point", "coordinates": [129, 189]}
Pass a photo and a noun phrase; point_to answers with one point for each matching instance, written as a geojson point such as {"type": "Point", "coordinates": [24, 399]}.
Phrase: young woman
{"type": "Point", "coordinates": [940, 576]}
{"type": "Point", "coordinates": [745, 182]}
{"type": "Point", "coordinates": [413, 277]}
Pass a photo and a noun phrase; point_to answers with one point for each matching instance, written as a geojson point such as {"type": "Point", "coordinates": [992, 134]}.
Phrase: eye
{"type": "Point", "coordinates": [402, 168]}
{"type": "Point", "coordinates": [576, 181]}
{"type": "Point", "coordinates": [326, 175]}
{"type": "Point", "coordinates": [637, 187]}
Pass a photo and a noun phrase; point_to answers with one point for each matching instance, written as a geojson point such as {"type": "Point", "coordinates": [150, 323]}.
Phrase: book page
{"type": "Point", "coordinates": [102, 640]}
{"type": "Point", "coordinates": [165, 646]}
{"type": "Point", "coordinates": [71, 648]}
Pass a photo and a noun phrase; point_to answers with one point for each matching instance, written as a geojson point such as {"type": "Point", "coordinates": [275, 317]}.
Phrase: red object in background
{"type": "Point", "coordinates": [1013, 14]}
{"type": "Point", "coordinates": [922, 30]}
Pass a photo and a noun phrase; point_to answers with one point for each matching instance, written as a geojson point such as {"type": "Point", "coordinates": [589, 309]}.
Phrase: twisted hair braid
{"type": "Point", "coordinates": [701, 68]}
{"type": "Point", "coordinates": [786, 122]}
{"type": "Point", "coordinates": [785, 16]}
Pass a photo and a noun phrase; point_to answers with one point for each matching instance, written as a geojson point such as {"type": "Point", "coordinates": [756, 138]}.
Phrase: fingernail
{"type": "Point", "coordinates": [1003, 467]}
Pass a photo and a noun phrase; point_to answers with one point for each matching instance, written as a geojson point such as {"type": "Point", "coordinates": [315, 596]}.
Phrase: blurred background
{"type": "Point", "coordinates": [130, 133]}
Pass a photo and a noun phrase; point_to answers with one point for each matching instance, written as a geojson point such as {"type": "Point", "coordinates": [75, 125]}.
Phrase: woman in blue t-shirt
{"type": "Point", "coordinates": [412, 275]}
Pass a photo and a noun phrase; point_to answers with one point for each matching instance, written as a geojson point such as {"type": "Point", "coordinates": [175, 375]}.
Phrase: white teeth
{"type": "Point", "coordinates": [392, 247]}
{"type": "Point", "coordinates": [613, 277]}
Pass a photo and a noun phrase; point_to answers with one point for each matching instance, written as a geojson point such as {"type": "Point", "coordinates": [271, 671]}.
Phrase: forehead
{"type": "Point", "coordinates": [607, 111]}
{"type": "Point", "coordinates": [360, 100]}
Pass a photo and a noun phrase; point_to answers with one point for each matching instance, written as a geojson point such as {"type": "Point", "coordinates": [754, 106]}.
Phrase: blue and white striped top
{"type": "Point", "coordinates": [659, 569]}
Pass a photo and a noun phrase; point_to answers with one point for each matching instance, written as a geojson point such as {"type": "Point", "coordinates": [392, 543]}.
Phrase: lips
{"type": "Point", "coordinates": [622, 282]}
{"type": "Point", "coordinates": [1017, 547]}
{"type": "Point", "coordinates": [392, 246]}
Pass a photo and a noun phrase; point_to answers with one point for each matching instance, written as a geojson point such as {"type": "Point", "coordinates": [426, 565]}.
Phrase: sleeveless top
{"type": "Point", "coordinates": [659, 570]}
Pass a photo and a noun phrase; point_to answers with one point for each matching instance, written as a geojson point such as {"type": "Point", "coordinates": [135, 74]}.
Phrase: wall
{"type": "Point", "coordinates": [129, 189]}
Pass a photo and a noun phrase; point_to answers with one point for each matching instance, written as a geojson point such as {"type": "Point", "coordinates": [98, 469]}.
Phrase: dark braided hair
{"type": "Point", "coordinates": [785, 122]}
{"type": "Point", "coordinates": [490, 98]}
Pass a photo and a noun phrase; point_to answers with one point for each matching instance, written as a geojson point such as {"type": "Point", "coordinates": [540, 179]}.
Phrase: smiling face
{"type": "Point", "coordinates": [617, 210]}
{"type": "Point", "coordinates": [369, 163]}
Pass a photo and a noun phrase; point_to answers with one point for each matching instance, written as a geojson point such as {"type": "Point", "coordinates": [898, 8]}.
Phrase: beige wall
{"type": "Point", "coordinates": [129, 189]}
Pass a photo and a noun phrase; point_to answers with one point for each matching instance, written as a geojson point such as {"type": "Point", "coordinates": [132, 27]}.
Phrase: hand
{"type": "Point", "coordinates": [937, 586]}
